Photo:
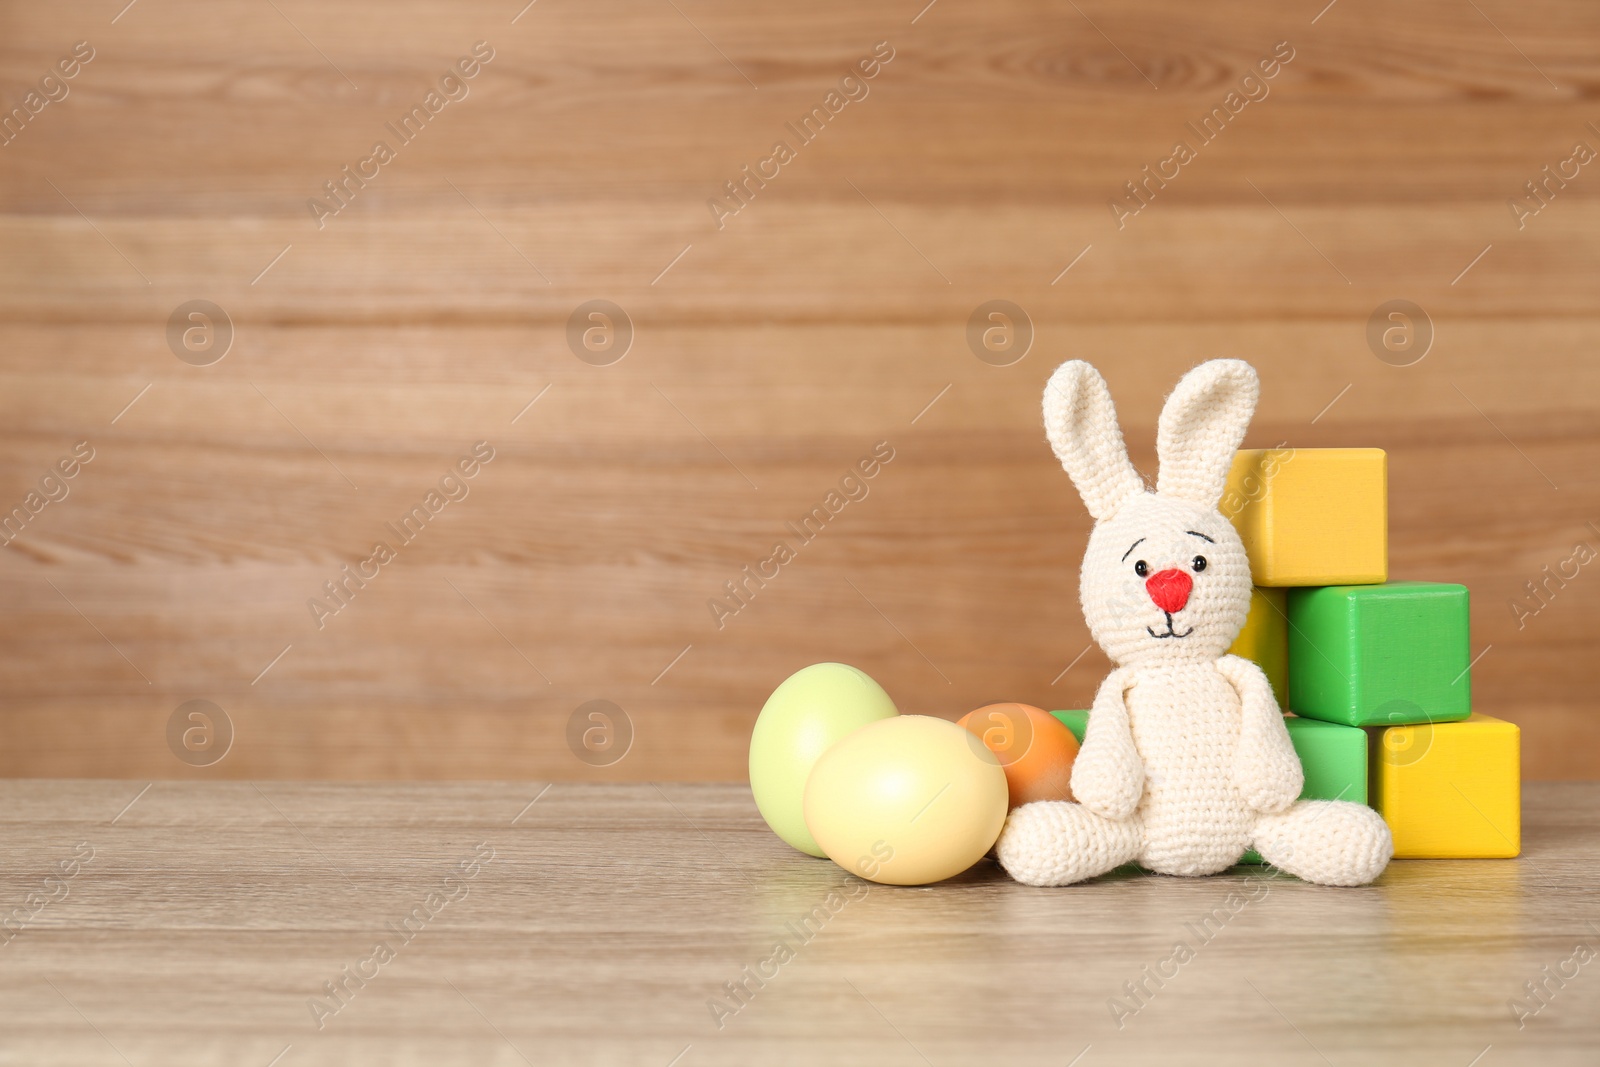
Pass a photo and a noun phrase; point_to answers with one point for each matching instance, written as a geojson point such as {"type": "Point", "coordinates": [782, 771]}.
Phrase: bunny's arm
{"type": "Point", "coordinates": [1266, 768]}
{"type": "Point", "coordinates": [1108, 775]}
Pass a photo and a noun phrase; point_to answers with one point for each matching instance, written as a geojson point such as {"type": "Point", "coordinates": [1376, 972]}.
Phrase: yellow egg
{"type": "Point", "coordinates": [907, 800]}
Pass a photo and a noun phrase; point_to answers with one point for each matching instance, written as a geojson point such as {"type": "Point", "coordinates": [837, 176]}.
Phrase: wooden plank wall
{"type": "Point", "coordinates": [372, 351]}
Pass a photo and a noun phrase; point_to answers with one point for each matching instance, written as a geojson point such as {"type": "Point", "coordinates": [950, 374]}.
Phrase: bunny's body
{"type": "Point", "coordinates": [1186, 762]}
{"type": "Point", "coordinates": [1185, 722]}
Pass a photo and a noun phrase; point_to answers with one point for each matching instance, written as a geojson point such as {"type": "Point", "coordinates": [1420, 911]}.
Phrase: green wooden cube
{"type": "Point", "coordinates": [1380, 655]}
{"type": "Point", "coordinates": [1334, 758]}
{"type": "Point", "coordinates": [1077, 722]}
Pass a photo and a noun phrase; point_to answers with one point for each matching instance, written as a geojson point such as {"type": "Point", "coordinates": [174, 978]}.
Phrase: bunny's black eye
{"type": "Point", "coordinates": [1199, 564]}
{"type": "Point", "coordinates": [1141, 568]}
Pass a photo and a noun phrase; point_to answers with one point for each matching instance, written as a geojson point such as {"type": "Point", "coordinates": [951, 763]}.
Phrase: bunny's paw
{"type": "Point", "coordinates": [1270, 777]}
{"type": "Point", "coordinates": [1108, 778]}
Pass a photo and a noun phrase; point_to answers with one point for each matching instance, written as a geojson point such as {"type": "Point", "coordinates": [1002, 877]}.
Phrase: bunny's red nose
{"type": "Point", "coordinates": [1169, 589]}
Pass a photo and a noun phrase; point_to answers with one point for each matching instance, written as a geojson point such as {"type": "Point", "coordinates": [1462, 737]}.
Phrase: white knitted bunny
{"type": "Point", "coordinates": [1186, 762]}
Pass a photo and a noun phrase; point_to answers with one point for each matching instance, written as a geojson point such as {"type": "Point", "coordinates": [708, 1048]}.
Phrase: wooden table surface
{"type": "Point", "coordinates": [186, 923]}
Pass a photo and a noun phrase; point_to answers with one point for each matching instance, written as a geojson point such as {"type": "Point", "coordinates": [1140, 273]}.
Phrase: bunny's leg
{"type": "Point", "coordinates": [1057, 842]}
{"type": "Point", "coordinates": [1330, 842]}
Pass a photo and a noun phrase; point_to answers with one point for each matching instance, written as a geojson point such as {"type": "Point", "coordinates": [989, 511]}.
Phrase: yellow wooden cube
{"type": "Point", "coordinates": [1450, 790]}
{"type": "Point", "coordinates": [1311, 516]}
{"type": "Point", "coordinates": [1265, 639]}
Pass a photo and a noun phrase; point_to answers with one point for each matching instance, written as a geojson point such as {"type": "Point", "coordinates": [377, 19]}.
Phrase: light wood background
{"type": "Point", "coordinates": [208, 916]}
{"type": "Point", "coordinates": [768, 356]}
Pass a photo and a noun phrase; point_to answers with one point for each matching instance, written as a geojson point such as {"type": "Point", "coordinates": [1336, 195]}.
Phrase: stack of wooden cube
{"type": "Point", "coordinates": [1377, 675]}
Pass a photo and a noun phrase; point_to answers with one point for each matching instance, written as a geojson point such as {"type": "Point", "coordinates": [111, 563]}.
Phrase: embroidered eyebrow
{"type": "Point", "coordinates": [1196, 533]}
{"type": "Point", "coordinates": [1136, 545]}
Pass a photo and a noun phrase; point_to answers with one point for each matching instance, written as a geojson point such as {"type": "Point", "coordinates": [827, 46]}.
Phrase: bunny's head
{"type": "Point", "coordinates": [1165, 578]}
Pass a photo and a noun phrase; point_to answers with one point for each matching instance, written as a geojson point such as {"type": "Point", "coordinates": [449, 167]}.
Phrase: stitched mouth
{"type": "Point", "coordinates": [1170, 631]}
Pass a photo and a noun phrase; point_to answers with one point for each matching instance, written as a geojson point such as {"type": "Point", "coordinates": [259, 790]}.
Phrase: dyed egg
{"type": "Point", "coordinates": [813, 708]}
{"type": "Point", "coordinates": [1035, 748]}
{"type": "Point", "coordinates": [906, 801]}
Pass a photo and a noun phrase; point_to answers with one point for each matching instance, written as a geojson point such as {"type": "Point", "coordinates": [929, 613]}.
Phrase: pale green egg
{"type": "Point", "coordinates": [812, 710]}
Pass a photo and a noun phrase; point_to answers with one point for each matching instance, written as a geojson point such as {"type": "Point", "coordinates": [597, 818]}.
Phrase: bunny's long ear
{"type": "Point", "coordinates": [1082, 426]}
{"type": "Point", "coordinates": [1201, 427]}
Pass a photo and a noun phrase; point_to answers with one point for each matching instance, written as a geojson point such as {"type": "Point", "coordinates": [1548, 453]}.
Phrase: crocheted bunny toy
{"type": "Point", "coordinates": [1186, 762]}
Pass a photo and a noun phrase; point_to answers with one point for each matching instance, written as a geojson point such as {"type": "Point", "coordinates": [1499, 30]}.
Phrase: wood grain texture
{"type": "Point", "coordinates": [768, 355]}
{"type": "Point", "coordinates": [198, 923]}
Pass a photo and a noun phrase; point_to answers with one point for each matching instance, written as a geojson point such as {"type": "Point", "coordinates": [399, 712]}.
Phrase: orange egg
{"type": "Point", "coordinates": [1034, 747]}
